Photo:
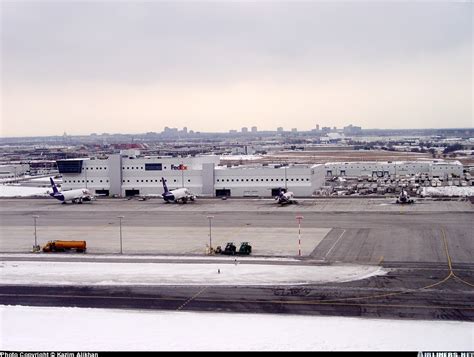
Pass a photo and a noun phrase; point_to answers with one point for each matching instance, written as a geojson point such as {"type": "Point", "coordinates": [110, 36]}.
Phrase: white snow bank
{"type": "Point", "coordinates": [98, 273]}
{"type": "Point", "coordinates": [32, 328]}
{"type": "Point", "coordinates": [448, 191]}
{"type": "Point", "coordinates": [20, 191]}
{"type": "Point", "coordinates": [95, 257]}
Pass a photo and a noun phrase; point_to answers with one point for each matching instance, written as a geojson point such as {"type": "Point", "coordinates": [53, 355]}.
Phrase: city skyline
{"type": "Point", "coordinates": [129, 67]}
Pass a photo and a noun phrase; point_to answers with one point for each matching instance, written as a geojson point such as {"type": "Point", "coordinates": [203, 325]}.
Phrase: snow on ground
{"type": "Point", "coordinates": [46, 180]}
{"type": "Point", "coordinates": [241, 157]}
{"type": "Point", "coordinates": [182, 258]}
{"type": "Point", "coordinates": [98, 273]}
{"type": "Point", "coordinates": [448, 191]}
{"type": "Point", "coordinates": [69, 329]}
{"type": "Point", "coordinates": [20, 191]}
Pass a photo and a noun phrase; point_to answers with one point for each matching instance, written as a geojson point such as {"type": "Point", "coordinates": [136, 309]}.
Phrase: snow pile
{"type": "Point", "coordinates": [96, 273]}
{"type": "Point", "coordinates": [20, 191]}
{"type": "Point", "coordinates": [448, 191]}
{"type": "Point", "coordinates": [32, 328]}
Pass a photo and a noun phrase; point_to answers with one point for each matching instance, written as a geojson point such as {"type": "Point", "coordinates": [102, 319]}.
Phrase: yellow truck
{"type": "Point", "coordinates": [65, 246]}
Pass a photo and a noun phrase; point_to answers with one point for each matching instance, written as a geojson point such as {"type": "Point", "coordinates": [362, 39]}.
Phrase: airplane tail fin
{"type": "Point", "coordinates": [53, 185]}
{"type": "Point", "coordinates": [165, 188]}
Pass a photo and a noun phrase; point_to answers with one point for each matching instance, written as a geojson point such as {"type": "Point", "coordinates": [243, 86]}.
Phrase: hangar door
{"type": "Point", "coordinates": [223, 192]}
{"type": "Point", "coordinates": [130, 193]}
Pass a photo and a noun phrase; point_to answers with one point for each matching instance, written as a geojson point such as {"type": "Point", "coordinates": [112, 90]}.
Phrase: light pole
{"type": "Point", "coordinates": [35, 247]}
{"type": "Point", "coordinates": [210, 233]}
{"type": "Point", "coordinates": [120, 222]}
{"type": "Point", "coordinates": [299, 219]}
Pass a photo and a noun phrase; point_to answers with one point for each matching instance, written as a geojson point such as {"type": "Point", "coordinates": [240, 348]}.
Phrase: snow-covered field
{"type": "Point", "coordinates": [97, 273]}
{"type": "Point", "coordinates": [182, 258]}
{"type": "Point", "coordinates": [448, 191]}
{"type": "Point", "coordinates": [49, 328]}
{"type": "Point", "coordinates": [22, 191]}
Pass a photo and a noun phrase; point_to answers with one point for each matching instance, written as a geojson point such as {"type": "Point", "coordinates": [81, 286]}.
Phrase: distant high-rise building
{"type": "Point", "coordinates": [351, 130]}
{"type": "Point", "coordinates": [232, 131]}
{"type": "Point", "coordinates": [185, 130]}
{"type": "Point", "coordinates": [294, 130]}
{"type": "Point", "coordinates": [279, 129]}
{"type": "Point", "coordinates": [245, 130]}
{"type": "Point", "coordinates": [317, 127]}
{"type": "Point", "coordinates": [254, 129]}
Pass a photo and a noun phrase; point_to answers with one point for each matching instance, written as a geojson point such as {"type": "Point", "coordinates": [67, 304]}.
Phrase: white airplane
{"type": "Point", "coordinates": [75, 196]}
{"type": "Point", "coordinates": [178, 195]}
{"type": "Point", "coordinates": [404, 198]}
{"type": "Point", "coordinates": [285, 197]}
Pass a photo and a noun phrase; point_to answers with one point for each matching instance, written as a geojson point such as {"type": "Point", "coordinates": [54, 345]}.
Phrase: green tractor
{"type": "Point", "coordinates": [245, 248]}
{"type": "Point", "coordinates": [230, 249]}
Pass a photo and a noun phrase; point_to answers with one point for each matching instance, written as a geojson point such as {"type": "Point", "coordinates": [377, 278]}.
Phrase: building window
{"type": "Point", "coordinates": [153, 167]}
{"type": "Point", "coordinates": [189, 180]}
{"type": "Point", "coordinates": [217, 180]}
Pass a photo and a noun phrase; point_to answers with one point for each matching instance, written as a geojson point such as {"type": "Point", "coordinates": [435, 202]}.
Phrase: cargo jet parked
{"type": "Point", "coordinates": [178, 195]}
{"type": "Point", "coordinates": [284, 198]}
{"type": "Point", "coordinates": [75, 196]}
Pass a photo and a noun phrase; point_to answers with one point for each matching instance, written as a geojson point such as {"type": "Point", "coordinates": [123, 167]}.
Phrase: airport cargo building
{"type": "Point", "coordinates": [125, 176]}
{"type": "Point", "coordinates": [128, 175]}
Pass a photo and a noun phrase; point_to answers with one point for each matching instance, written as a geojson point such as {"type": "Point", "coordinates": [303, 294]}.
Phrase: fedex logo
{"type": "Point", "coordinates": [179, 167]}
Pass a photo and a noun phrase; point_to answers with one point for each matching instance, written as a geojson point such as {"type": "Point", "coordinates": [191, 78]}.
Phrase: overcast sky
{"type": "Point", "coordinates": [132, 67]}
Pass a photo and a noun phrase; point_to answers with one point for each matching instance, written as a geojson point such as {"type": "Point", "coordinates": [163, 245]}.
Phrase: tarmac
{"type": "Point", "coordinates": [428, 248]}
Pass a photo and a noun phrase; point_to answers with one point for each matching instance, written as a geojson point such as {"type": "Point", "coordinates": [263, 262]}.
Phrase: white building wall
{"type": "Point", "coordinates": [95, 175]}
{"type": "Point", "coordinates": [259, 181]}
